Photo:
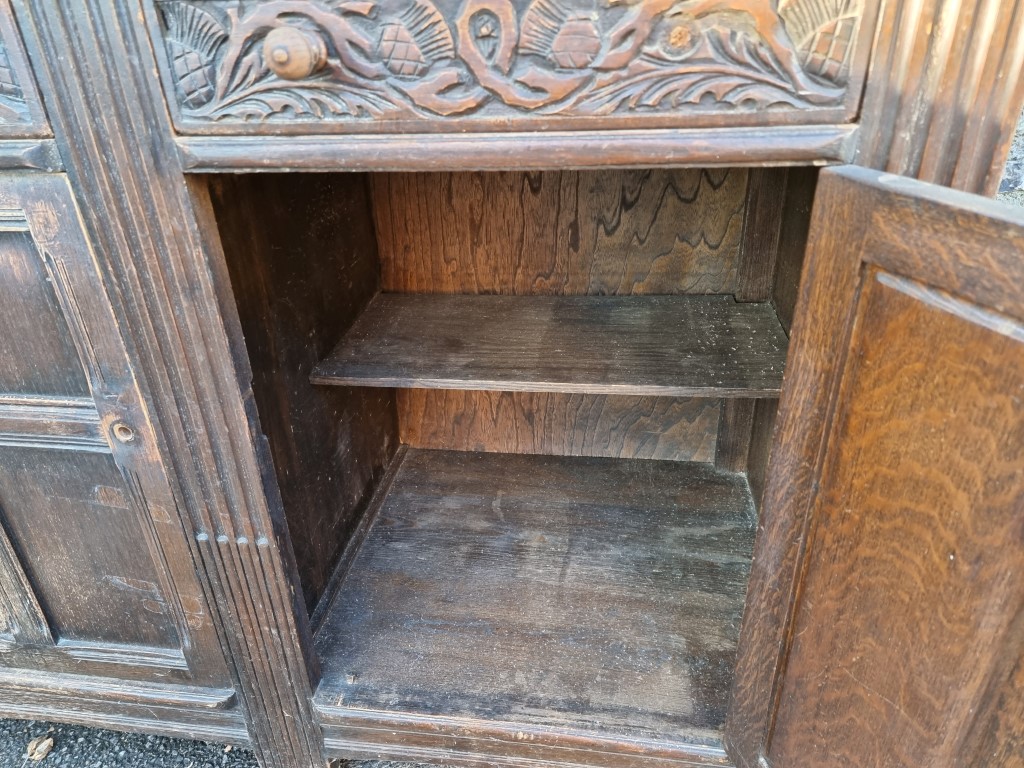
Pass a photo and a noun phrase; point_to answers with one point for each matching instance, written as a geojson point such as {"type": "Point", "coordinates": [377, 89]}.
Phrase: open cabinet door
{"type": "Point", "coordinates": [885, 617]}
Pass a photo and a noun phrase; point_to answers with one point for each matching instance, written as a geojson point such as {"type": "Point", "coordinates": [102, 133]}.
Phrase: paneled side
{"type": "Point", "coordinates": [155, 232]}
{"type": "Point", "coordinates": [916, 547]}
{"type": "Point", "coordinates": [561, 233]}
{"type": "Point", "coordinates": [676, 429]}
{"type": "Point", "coordinates": [484, 65]}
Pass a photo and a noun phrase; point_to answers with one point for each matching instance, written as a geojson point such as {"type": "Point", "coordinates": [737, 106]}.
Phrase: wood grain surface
{"type": "Point", "coordinates": [917, 539]}
{"type": "Point", "coordinates": [680, 346]}
{"type": "Point", "coordinates": [617, 426]}
{"type": "Point", "coordinates": [599, 595]}
{"type": "Point", "coordinates": [561, 233]}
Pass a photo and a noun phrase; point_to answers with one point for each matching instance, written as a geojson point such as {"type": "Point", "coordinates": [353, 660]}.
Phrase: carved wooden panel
{"type": "Point", "coordinates": [21, 112]}
{"type": "Point", "coordinates": [438, 65]}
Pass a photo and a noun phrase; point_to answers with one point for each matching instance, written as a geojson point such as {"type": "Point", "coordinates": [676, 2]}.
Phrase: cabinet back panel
{"type": "Point", "coordinates": [678, 429]}
{"type": "Point", "coordinates": [560, 233]}
{"type": "Point", "coordinates": [79, 541]}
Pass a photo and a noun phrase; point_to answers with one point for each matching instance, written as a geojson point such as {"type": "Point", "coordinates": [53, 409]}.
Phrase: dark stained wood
{"type": "Point", "coordinates": [796, 218]}
{"type": "Point", "coordinates": [762, 435]}
{"type": "Point", "coordinates": [597, 596]}
{"type": "Point", "coordinates": [532, 150]}
{"type": "Point", "coordinates": [762, 223]}
{"type": "Point", "coordinates": [30, 154]}
{"type": "Point", "coordinates": [896, 471]}
{"type": "Point", "coordinates": [837, 227]}
{"type": "Point", "coordinates": [37, 350]}
{"type": "Point", "coordinates": [613, 426]}
{"type": "Point", "coordinates": [303, 264]}
{"type": "Point", "coordinates": [21, 109]}
{"type": "Point", "coordinates": [560, 233]}
{"type": "Point", "coordinates": [288, 67]}
{"type": "Point", "coordinates": [217, 511]}
{"type": "Point", "coordinates": [944, 91]}
{"type": "Point", "coordinates": [68, 516]}
{"type": "Point", "coordinates": [734, 434]}
{"type": "Point", "coordinates": [92, 577]}
{"type": "Point", "coordinates": [653, 345]}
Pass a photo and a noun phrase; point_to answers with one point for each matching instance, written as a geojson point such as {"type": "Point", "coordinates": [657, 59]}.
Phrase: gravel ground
{"type": "Point", "coordinates": [1012, 188]}
{"type": "Point", "coordinates": [78, 747]}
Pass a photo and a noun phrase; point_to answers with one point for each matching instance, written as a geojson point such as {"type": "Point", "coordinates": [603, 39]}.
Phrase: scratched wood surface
{"type": "Point", "coordinates": [610, 591]}
{"type": "Point", "coordinates": [680, 346]}
{"type": "Point", "coordinates": [561, 232]}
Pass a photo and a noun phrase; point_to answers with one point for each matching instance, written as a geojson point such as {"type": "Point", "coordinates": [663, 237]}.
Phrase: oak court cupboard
{"type": "Point", "coordinates": [626, 383]}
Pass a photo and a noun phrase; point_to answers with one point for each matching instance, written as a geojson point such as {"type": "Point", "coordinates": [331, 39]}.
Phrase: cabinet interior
{"type": "Point", "coordinates": [520, 424]}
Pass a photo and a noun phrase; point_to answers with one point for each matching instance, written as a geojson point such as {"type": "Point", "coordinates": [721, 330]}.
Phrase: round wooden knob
{"type": "Point", "coordinates": [293, 53]}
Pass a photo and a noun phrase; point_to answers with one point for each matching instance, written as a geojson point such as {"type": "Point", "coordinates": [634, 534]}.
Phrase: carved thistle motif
{"type": "Point", "coordinates": [418, 59]}
{"type": "Point", "coordinates": [13, 107]}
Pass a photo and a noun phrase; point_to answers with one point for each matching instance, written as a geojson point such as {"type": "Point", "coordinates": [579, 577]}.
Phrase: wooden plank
{"type": "Point", "coordinates": [533, 150]}
{"type": "Point", "coordinates": [300, 272]}
{"type": "Point", "coordinates": [678, 346]}
{"type": "Point", "coordinates": [762, 225]}
{"type": "Point", "coordinates": [562, 233]}
{"type": "Point", "coordinates": [600, 596]}
{"type": "Point", "coordinates": [734, 429]}
{"type": "Point", "coordinates": [615, 426]}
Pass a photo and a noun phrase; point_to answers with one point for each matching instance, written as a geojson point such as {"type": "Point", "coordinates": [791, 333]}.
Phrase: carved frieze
{"type": "Point", "coordinates": [500, 61]}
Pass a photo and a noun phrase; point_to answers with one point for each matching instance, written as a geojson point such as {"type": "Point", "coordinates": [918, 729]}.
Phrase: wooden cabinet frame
{"type": "Point", "coordinates": [936, 104]}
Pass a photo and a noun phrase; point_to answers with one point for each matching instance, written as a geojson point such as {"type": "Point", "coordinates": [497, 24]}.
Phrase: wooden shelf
{"type": "Point", "coordinates": [509, 594]}
{"type": "Point", "coordinates": [641, 345]}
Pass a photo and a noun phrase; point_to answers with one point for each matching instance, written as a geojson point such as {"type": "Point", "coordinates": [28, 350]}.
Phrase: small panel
{"type": "Point", "coordinates": [81, 544]}
{"type": "Point", "coordinates": [37, 351]}
{"type": "Point", "coordinates": [484, 65]}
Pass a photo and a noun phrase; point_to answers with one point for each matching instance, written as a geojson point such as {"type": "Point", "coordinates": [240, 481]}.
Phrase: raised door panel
{"type": "Point", "coordinates": [77, 535]}
{"type": "Point", "coordinates": [901, 638]}
{"type": "Point", "coordinates": [95, 577]}
{"type": "Point", "coordinates": [395, 66]}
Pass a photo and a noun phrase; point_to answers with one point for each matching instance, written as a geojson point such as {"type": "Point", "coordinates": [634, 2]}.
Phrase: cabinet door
{"type": "Point", "coordinates": [896, 637]}
{"type": "Point", "coordinates": [95, 575]}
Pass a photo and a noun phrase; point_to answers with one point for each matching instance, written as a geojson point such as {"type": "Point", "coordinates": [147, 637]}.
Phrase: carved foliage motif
{"type": "Point", "coordinates": [417, 59]}
{"type": "Point", "coordinates": [13, 106]}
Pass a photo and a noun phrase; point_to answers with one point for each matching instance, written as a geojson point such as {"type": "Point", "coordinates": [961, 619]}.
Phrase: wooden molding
{"type": "Point", "coordinates": [134, 201]}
